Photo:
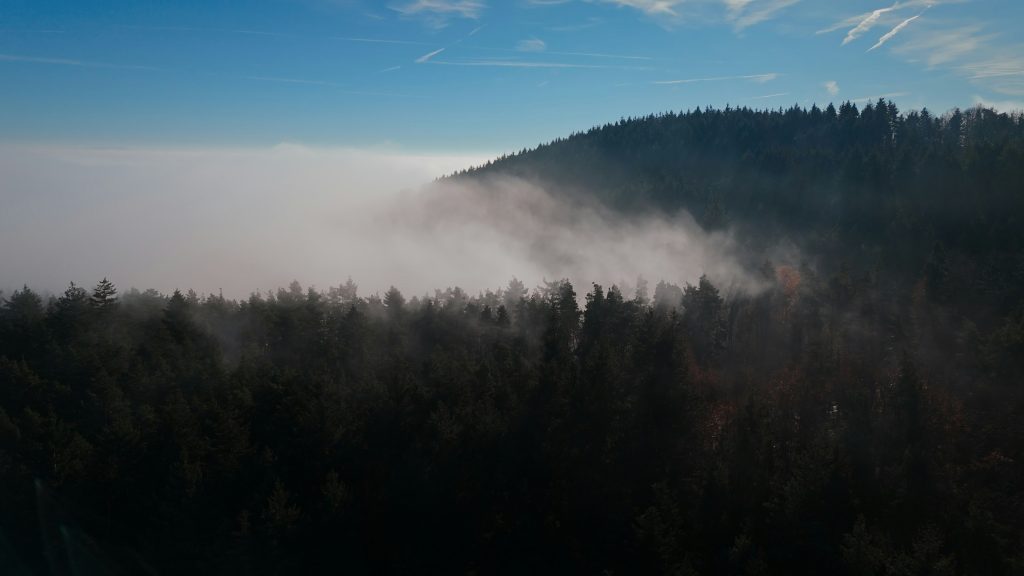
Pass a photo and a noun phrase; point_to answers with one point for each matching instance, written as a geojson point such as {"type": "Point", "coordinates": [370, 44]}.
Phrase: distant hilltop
{"type": "Point", "coordinates": [873, 185]}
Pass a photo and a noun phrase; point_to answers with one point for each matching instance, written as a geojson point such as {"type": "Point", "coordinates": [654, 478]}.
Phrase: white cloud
{"type": "Point", "coordinates": [844, 23]}
{"type": "Point", "coordinates": [531, 45]}
{"type": "Point", "coordinates": [602, 55]}
{"type": "Point", "coordinates": [649, 7]}
{"type": "Point", "coordinates": [1008, 106]}
{"type": "Point", "coordinates": [585, 25]}
{"type": "Point", "coordinates": [499, 63]}
{"type": "Point", "coordinates": [464, 8]}
{"type": "Point", "coordinates": [967, 50]}
{"type": "Point", "coordinates": [866, 24]}
{"type": "Point", "coordinates": [735, 7]}
{"type": "Point", "coordinates": [437, 12]}
{"type": "Point", "coordinates": [68, 62]}
{"type": "Point", "coordinates": [769, 96]}
{"type": "Point", "coordinates": [1003, 74]}
{"type": "Point", "coordinates": [832, 87]}
{"type": "Point", "coordinates": [741, 13]}
{"type": "Point", "coordinates": [758, 78]}
{"type": "Point", "coordinates": [426, 57]}
{"type": "Point", "coordinates": [942, 46]}
{"type": "Point", "coordinates": [996, 69]}
{"type": "Point", "coordinates": [892, 33]}
{"type": "Point", "coordinates": [862, 23]}
{"type": "Point", "coordinates": [385, 41]}
{"type": "Point", "coordinates": [293, 81]}
{"type": "Point", "coordinates": [746, 13]}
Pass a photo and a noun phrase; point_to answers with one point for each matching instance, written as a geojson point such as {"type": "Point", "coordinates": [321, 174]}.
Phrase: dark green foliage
{"type": "Point", "coordinates": [104, 295]}
{"type": "Point", "coordinates": [307, 433]}
{"type": "Point", "coordinates": [872, 188]}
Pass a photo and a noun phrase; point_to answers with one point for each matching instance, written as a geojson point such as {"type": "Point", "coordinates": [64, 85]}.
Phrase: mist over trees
{"type": "Point", "coordinates": [868, 187]}
{"type": "Point", "coordinates": [859, 414]}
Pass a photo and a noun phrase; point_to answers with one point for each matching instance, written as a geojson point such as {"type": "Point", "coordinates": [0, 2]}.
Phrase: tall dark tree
{"type": "Point", "coordinates": [104, 295]}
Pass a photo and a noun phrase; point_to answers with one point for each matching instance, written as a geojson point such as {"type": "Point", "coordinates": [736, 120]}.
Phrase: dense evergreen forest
{"type": "Point", "coordinates": [860, 415]}
{"type": "Point", "coordinates": [870, 188]}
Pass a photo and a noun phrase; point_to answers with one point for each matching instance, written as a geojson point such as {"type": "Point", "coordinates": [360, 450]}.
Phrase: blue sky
{"type": "Point", "coordinates": [473, 75]}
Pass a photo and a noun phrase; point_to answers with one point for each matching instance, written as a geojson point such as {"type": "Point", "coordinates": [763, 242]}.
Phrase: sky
{"type": "Point", "coordinates": [473, 76]}
{"type": "Point", "coordinates": [238, 145]}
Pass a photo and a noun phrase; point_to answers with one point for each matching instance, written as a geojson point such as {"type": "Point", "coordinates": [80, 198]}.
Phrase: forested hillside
{"type": "Point", "coordinates": [870, 188]}
{"type": "Point", "coordinates": [862, 414]}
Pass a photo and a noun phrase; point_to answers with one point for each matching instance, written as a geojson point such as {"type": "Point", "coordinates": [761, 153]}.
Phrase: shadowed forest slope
{"type": "Point", "coordinates": [873, 188]}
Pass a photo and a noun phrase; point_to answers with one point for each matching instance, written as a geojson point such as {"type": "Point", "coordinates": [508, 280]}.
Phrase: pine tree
{"type": "Point", "coordinates": [104, 295]}
{"type": "Point", "coordinates": [395, 302]}
{"type": "Point", "coordinates": [70, 310]}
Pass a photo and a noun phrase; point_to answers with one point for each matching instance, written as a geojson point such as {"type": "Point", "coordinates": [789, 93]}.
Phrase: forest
{"type": "Point", "coordinates": [862, 413]}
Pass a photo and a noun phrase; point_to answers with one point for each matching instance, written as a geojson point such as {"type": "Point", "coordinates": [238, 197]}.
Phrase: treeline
{"type": "Point", "coordinates": [871, 187]}
{"type": "Point", "coordinates": [825, 426]}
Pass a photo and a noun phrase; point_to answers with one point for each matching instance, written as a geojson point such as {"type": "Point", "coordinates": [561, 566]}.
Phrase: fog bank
{"type": "Point", "coordinates": [252, 220]}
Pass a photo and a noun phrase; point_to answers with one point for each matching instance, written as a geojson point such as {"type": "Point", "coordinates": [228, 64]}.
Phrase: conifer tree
{"type": "Point", "coordinates": [104, 295]}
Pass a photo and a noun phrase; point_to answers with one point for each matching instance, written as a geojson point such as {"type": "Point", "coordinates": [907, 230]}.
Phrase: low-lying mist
{"type": "Point", "coordinates": [252, 220]}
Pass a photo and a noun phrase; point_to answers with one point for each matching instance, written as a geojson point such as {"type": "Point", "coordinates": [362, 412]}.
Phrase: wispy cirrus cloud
{"type": "Point", "coordinates": [936, 47]}
{"type": "Point", "coordinates": [983, 58]}
{"type": "Point", "coordinates": [860, 24]}
{"type": "Point", "coordinates": [69, 62]}
{"type": "Point", "coordinates": [1008, 106]}
{"type": "Point", "coordinates": [736, 7]}
{"type": "Point", "coordinates": [283, 80]}
{"type": "Point", "coordinates": [866, 24]}
{"type": "Point", "coordinates": [741, 13]}
{"type": "Point", "coordinates": [383, 41]}
{"type": "Point", "coordinates": [531, 45]}
{"type": "Point", "coordinates": [426, 57]}
{"type": "Point", "coordinates": [996, 69]}
{"type": "Point", "coordinates": [438, 12]}
{"type": "Point", "coordinates": [267, 34]}
{"type": "Point", "coordinates": [575, 54]}
{"type": "Point", "coordinates": [746, 13]}
{"type": "Point", "coordinates": [991, 60]}
{"type": "Point", "coordinates": [1003, 73]}
{"type": "Point", "coordinates": [649, 7]}
{"type": "Point", "coordinates": [577, 27]}
{"type": "Point", "coordinates": [896, 30]}
{"type": "Point", "coordinates": [768, 96]}
{"type": "Point", "coordinates": [502, 63]}
{"type": "Point", "coordinates": [758, 78]}
{"type": "Point", "coordinates": [602, 55]}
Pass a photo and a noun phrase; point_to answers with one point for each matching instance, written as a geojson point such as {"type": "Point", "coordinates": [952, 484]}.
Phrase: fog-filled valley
{"type": "Point", "coordinates": [238, 221]}
{"type": "Point", "coordinates": [720, 341]}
